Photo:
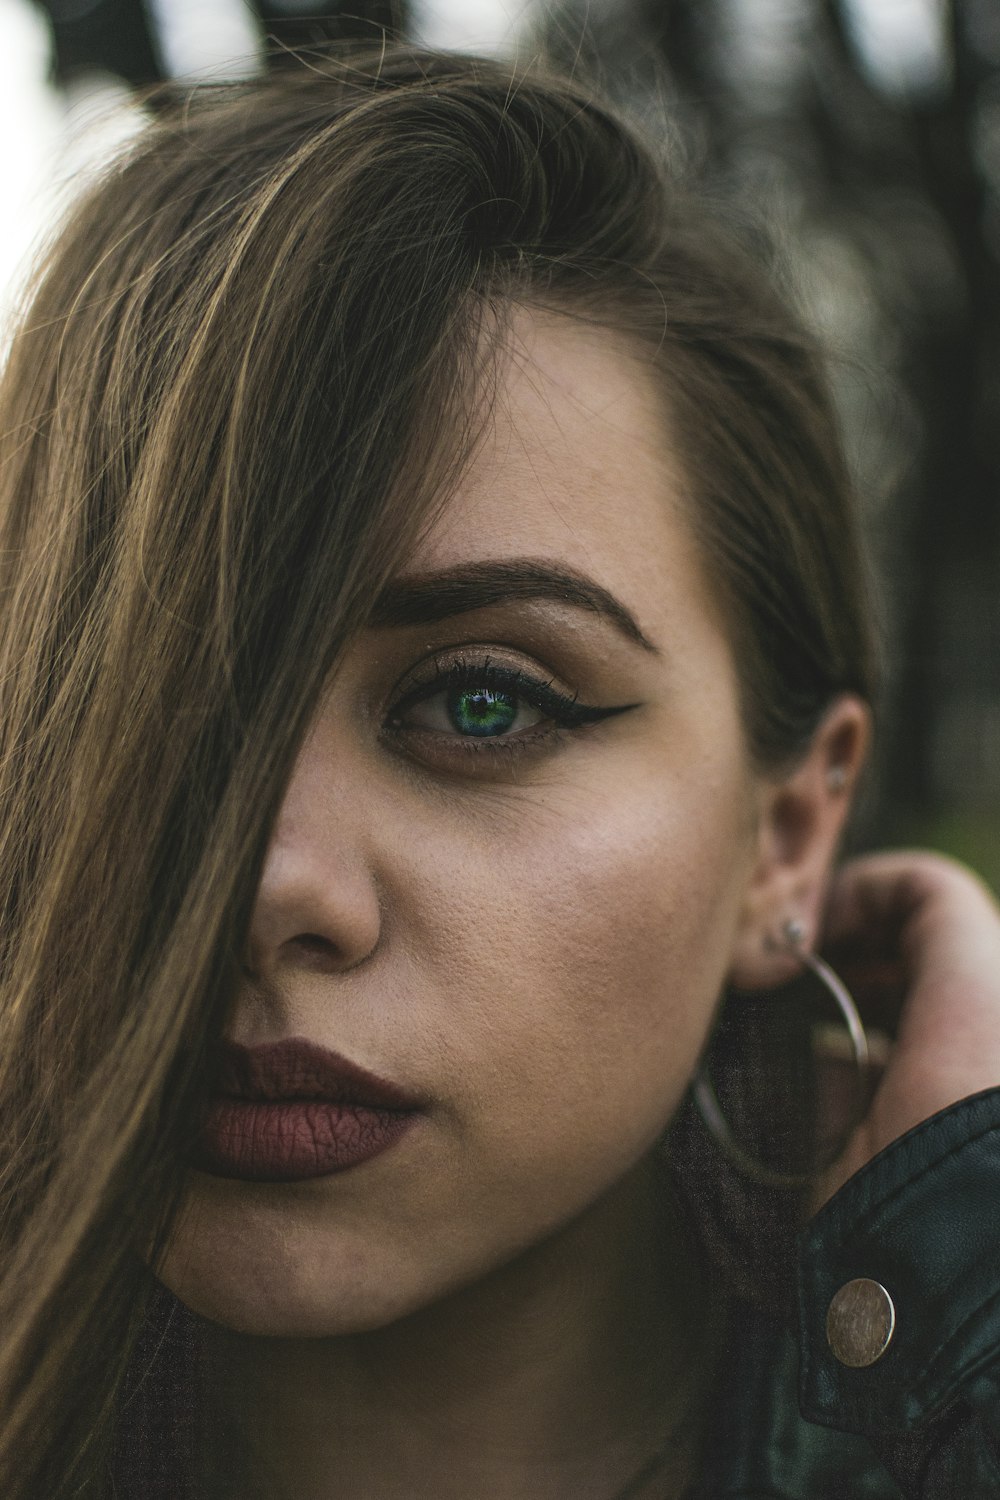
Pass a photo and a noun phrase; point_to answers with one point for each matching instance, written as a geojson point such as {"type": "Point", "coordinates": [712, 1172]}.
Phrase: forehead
{"type": "Point", "coordinates": [577, 468]}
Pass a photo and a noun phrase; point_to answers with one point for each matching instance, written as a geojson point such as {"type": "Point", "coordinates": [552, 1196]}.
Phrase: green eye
{"type": "Point", "coordinates": [479, 706]}
{"type": "Point", "coordinates": [481, 710]}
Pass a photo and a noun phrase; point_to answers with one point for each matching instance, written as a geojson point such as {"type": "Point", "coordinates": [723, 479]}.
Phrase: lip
{"type": "Point", "coordinates": [298, 1069]}
{"type": "Point", "coordinates": [290, 1110]}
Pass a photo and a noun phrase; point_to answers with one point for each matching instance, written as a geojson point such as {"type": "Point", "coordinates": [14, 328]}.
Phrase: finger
{"type": "Point", "coordinates": [948, 1029]}
{"type": "Point", "coordinates": [896, 919]}
{"type": "Point", "coordinates": [871, 900]}
{"type": "Point", "coordinates": [889, 906]}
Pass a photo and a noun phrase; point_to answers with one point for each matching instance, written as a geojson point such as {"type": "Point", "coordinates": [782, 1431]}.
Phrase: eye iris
{"type": "Point", "coordinates": [481, 710]}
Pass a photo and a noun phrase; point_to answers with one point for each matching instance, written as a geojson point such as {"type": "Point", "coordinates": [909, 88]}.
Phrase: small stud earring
{"type": "Point", "coordinates": [795, 932]}
{"type": "Point", "coordinates": [792, 934]}
{"type": "Point", "coordinates": [836, 778]}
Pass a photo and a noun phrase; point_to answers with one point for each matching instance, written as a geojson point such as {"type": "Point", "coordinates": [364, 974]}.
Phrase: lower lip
{"type": "Point", "coordinates": [289, 1140]}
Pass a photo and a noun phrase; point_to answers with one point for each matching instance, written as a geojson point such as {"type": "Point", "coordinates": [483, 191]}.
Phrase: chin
{"type": "Point", "coordinates": [255, 1276]}
{"type": "Point", "coordinates": [284, 1307]}
{"type": "Point", "coordinates": [273, 1315]}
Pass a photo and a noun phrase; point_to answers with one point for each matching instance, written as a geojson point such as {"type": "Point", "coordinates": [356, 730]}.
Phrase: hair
{"type": "Point", "coordinates": [253, 364]}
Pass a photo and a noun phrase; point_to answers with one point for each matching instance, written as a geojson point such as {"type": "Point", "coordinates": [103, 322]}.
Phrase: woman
{"type": "Point", "coordinates": [436, 668]}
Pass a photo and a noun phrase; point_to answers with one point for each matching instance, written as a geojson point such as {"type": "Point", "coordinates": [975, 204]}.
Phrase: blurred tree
{"type": "Point", "coordinates": [121, 36]}
{"type": "Point", "coordinates": [102, 36]}
{"type": "Point", "coordinates": [296, 25]}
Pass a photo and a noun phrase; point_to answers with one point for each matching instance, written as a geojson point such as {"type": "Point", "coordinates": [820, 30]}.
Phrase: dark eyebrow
{"type": "Point", "coordinates": [420, 598]}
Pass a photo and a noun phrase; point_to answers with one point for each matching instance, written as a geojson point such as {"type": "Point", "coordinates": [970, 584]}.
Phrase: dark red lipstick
{"type": "Point", "coordinates": [290, 1110]}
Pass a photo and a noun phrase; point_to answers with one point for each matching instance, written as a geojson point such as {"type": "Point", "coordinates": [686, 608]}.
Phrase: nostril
{"type": "Point", "coordinates": [312, 940]}
{"type": "Point", "coordinates": [313, 951]}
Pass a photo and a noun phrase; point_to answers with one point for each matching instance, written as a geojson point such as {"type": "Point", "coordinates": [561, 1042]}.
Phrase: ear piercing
{"type": "Point", "coordinates": [792, 934]}
{"type": "Point", "coordinates": [707, 1104]}
{"type": "Point", "coordinates": [836, 778]}
{"type": "Point", "coordinates": [794, 931]}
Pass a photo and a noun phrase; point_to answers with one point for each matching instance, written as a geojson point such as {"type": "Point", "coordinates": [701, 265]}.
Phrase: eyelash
{"type": "Point", "coordinates": [563, 712]}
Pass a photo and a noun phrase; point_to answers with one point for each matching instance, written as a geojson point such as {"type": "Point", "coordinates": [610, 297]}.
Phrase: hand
{"type": "Point", "coordinates": [916, 938]}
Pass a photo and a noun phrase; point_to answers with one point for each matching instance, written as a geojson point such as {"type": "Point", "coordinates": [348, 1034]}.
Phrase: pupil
{"type": "Point", "coordinates": [481, 711]}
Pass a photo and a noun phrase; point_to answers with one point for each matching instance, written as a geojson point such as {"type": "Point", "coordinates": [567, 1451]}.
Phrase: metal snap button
{"type": "Point", "coordinates": [860, 1322]}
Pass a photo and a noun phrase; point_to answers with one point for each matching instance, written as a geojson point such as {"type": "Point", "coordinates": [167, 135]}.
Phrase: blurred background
{"type": "Point", "coordinates": [865, 134]}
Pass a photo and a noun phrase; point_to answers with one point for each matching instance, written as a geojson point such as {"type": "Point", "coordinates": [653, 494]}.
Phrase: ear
{"type": "Point", "coordinates": [801, 818]}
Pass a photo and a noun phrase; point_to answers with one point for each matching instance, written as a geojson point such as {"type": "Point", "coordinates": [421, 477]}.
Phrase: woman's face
{"type": "Point", "coordinates": [509, 869]}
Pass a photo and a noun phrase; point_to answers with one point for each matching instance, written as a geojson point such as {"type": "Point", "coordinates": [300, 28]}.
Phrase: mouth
{"type": "Point", "coordinates": [299, 1069]}
{"type": "Point", "coordinates": [291, 1110]}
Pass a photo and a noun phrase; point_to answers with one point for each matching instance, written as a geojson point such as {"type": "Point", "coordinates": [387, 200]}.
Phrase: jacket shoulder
{"type": "Point", "coordinates": [913, 1238]}
{"type": "Point", "coordinates": [760, 1445]}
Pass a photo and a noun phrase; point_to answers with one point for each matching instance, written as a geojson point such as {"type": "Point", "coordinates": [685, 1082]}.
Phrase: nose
{"type": "Point", "coordinates": [317, 904]}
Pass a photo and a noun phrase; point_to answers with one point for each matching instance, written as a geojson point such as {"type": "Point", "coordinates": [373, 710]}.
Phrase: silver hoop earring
{"type": "Point", "coordinates": [707, 1103]}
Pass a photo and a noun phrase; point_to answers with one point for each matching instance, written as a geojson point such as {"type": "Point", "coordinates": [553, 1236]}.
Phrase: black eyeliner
{"type": "Point", "coordinates": [564, 711]}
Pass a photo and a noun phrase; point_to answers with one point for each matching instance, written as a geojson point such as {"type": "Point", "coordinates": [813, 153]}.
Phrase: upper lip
{"type": "Point", "coordinates": [299, 1069]}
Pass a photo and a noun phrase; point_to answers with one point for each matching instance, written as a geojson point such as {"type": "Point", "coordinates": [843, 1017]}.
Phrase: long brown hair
{"type": "Point", "coordinates": [252, 368]}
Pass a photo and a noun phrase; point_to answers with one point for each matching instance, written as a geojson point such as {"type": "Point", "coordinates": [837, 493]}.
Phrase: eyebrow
{"type": "Point", "coordinates": [421, 598]}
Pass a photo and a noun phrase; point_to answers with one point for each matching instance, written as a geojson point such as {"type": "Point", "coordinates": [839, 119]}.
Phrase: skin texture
{"type": "Point", "coordinates": [535, 940]}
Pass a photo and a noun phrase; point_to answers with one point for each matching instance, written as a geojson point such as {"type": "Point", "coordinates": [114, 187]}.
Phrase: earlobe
{"type": "Point", "coordinates": [802, 817]}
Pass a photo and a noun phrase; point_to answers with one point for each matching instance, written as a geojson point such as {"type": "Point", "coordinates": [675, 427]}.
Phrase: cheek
{"type": "Point", "coordinates": [586, 961]}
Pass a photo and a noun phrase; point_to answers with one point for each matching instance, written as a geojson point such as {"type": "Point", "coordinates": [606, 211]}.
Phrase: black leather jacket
{"type": "Point", "coordinates": [790, 1422]}
{"type": "Point", "coordinates": [922, 1421]}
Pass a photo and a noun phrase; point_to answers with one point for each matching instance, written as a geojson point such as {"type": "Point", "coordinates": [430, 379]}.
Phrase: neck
{"type": "Point", "coordinates": [561, 1374]}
